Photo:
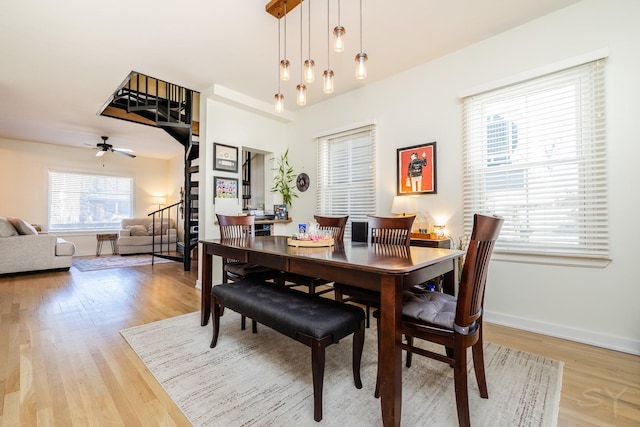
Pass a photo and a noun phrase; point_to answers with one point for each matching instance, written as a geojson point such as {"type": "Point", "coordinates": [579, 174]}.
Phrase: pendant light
{"type": "Point", "coordinates": [361, 58]}
{"type": "Point", "coordinates": [285, 65]}
{"type": "Point", "coordinates": [309, 64]}
{"type": "Point", "coordinates": [301, 89]}
{"type": "Point", "coordinates": [338, 35]}
{"type": "Point", "coordinates": [279, 97]}
{"type": "Point", "coordinates": [328, 74]}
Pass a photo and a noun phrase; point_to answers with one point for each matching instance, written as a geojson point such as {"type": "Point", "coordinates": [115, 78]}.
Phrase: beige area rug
{"type": "Point", "coordinates": [91, 263]}
{"type": "Point", "coordinates": [264, 379]}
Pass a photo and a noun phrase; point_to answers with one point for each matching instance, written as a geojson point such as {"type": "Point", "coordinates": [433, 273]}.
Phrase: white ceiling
{"type": "Point", "coordinates": [61, 60]}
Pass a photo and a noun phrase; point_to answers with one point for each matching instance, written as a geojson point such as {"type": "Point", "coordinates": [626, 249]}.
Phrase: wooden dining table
{"type": "Point", "coordinates": [384, 268]}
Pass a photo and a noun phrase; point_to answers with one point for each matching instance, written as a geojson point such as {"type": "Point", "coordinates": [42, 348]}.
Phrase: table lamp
{"type": "Point", "coordinates": [403, 205]}
{"type": "Point", "coordinates": [438, 230]}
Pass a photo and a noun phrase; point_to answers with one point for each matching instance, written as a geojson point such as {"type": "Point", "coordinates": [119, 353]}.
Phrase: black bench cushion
{"type": "Point", "coordinates": [288, 311]}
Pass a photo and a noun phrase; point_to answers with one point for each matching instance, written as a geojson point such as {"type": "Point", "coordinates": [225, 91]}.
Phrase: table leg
{"type": "Point", "coordinates": [450, 280]}
{"type": "Point", "coordinates": [390, 356]}
{"type": "Point", "coordinates": [207, 275]}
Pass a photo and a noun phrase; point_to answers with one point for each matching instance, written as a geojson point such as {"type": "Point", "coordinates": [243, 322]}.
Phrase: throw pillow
{"type": "Point", "coordinates": [159, 228]}
{"type": "Point", "coordinates": [6, 229]}
{"type": "Point", "coordinates": [138, 230]}
{"type": "Point", "coordinates": [22, 227]}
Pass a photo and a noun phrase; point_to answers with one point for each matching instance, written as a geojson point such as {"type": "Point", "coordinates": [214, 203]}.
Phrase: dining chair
{"type": "Point", "coordinates": [334, 225]}
{"type": "Point", "coordinates": [385, 231]}
{"type": "Point", "coordinates": [454, 322]}
{"type": "Point", "coordinates": [241, 227]}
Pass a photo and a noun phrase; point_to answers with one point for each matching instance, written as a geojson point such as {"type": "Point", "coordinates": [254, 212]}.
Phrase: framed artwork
{"type": "Point", "coordinates": [225, 188]}
{"type": "Point", "coordinates": [225, 158]}
{"type": "Point", "coordinates": [416, 169]}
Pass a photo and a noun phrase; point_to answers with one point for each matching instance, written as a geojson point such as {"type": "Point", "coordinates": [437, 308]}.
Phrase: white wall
{"type": "Point", "coordinates": [232, 125]}
{"type": "Point", "coordinates": [593, 305]}
{"type": "Point", "coordinates": [23, 174]}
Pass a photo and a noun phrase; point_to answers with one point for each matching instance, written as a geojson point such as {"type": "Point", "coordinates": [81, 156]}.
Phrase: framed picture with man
{"type": "Point", "coordinates": [416, 169]}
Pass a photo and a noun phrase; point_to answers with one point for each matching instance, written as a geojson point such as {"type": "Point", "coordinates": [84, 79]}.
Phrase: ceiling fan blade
{"type": "Point", "coordinates": [126, 150]}
{"type": "Point", "coordinates": [123, 153]}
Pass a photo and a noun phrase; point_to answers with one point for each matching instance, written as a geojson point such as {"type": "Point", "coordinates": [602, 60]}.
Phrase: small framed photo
{"type": "Point", "coordinates": [416, 169]}
{"type": "Point", "coordinates": [225, 188]}
{"type": "Point", "coordinates": [225, 158]}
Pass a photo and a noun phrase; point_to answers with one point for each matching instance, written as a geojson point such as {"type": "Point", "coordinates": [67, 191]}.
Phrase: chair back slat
{"type": "Point", "coordinates": [236, 226]}
{"type": "Point", "coordinates": [334, 224]}
{"type": "Point", "coordinates": [474, 273]}
{"type": "Point", "coordinates": [390, 231]}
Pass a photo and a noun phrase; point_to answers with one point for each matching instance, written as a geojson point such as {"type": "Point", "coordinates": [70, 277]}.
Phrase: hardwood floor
{"type": "Point", "coordinates": [63, 361]}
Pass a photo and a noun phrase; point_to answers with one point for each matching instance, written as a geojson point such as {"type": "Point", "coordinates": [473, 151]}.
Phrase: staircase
{"type": "Point", "coordinates": [152, 102]}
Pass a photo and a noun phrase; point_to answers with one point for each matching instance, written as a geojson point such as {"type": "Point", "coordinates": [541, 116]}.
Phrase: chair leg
{"type": "Point", "coordinates": [216, 312]}
{"type": "Point", "coordinates": [368, 316]}
{"type": "Point", "coordinates": [376, 393]}
{"type": "Point", "coordinates": [358, 345]}
{"type": "Point", "coordinates": [409, 354]}
{"type": "Point", "coordinates": [460, 380]}
{"type": "Point", "coordinates": [243, 322]}
{"type": "Point", "coordinates": [477, 351]}
{"type": "Point", "coordinates": [317, 368]}
{"type": "Point", "coordinates": [254, 326]}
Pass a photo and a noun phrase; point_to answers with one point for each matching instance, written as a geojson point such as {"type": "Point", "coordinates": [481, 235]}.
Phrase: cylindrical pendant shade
{"type": "Point", "coordinates": [279, 102]}
{"type": "Point", "coordinates": [309, 71]}
{"type": "Point", "coordinates": [361, 66]}
{"type": "Point", "coordinates": [285, 70]}
{"type": "Point", "coordinates": [301, 94]}
{"type": "Point", "coordinates": [327, 86]}
{"type": "Point", "coordinates": [338, 39]}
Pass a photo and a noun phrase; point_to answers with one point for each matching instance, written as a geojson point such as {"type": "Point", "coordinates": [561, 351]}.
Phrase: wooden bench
{"type": "Point", "coordinates": [314, 321]}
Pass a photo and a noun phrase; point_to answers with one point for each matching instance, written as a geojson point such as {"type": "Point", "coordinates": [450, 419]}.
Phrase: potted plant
{"type": "Point", "coordinates": [284, 178]}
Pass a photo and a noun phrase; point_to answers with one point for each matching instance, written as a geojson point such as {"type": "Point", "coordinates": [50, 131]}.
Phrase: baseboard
{"type": "Point", "coordinates": [578, 335]}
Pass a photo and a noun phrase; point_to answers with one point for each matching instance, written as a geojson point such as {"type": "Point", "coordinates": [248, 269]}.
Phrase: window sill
{"type": "Point", "coordinates": [551, 260]}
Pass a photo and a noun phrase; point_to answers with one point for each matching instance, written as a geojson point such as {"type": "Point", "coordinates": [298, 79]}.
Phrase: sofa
{"type": "Point", "coordinates": [136, 236]}
{"type": "Point", "coordinates": [23, 249]}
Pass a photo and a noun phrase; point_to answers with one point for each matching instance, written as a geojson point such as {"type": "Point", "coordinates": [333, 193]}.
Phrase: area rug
{"type": "Point", "coordinates": [102, 262]}
{"type": "Point", "coordinates": [264, 379]}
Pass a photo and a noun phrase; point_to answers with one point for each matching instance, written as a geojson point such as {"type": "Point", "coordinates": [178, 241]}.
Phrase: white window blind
{"type": "Point", "coordinates": [88, 202]}
{"type": "Point", "coordinates": [535, 153]}
{"type": "Point", "coordinates": [346, 183]}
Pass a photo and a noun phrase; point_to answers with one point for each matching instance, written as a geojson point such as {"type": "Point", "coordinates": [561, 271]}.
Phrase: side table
{"type": "Point", "coordinates": [111, 237]}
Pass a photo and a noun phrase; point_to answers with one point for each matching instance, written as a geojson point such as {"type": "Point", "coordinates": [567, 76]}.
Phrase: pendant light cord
{"type": "Point", "coordinates": [360, 24]}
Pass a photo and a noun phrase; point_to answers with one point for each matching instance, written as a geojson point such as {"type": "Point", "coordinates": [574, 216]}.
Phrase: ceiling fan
{"type": "Point", "coordinates": [103, 147]}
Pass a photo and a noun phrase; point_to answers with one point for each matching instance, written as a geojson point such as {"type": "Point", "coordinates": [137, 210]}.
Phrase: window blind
{"type": "Point", "coordinates": [346, 183]}
{"type": "Point", "coordinates": [88, 202]}
{"type": "Point", "coordinates": [535, 153]}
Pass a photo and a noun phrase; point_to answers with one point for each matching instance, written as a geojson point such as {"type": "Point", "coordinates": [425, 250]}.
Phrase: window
{"type": "Point", "coordinates": [88, 202]}
{"type": "Point", "coordinates": [346, 175]}
{"type": "Point", "coordinates": [534, 153]}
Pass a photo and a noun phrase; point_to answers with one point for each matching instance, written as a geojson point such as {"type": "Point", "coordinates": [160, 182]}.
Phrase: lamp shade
{"type": "Point", "coordinates": [403, 205]}
{"type": "Point", "coordinates": [160, 200]}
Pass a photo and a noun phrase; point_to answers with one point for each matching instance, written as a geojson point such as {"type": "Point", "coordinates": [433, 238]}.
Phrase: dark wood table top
{"type": "Point", "coordinates": [381, 259]}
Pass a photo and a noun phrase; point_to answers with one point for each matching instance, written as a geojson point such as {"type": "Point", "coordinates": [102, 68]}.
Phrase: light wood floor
{"type": "Point", "coordinates": [63, 362]}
